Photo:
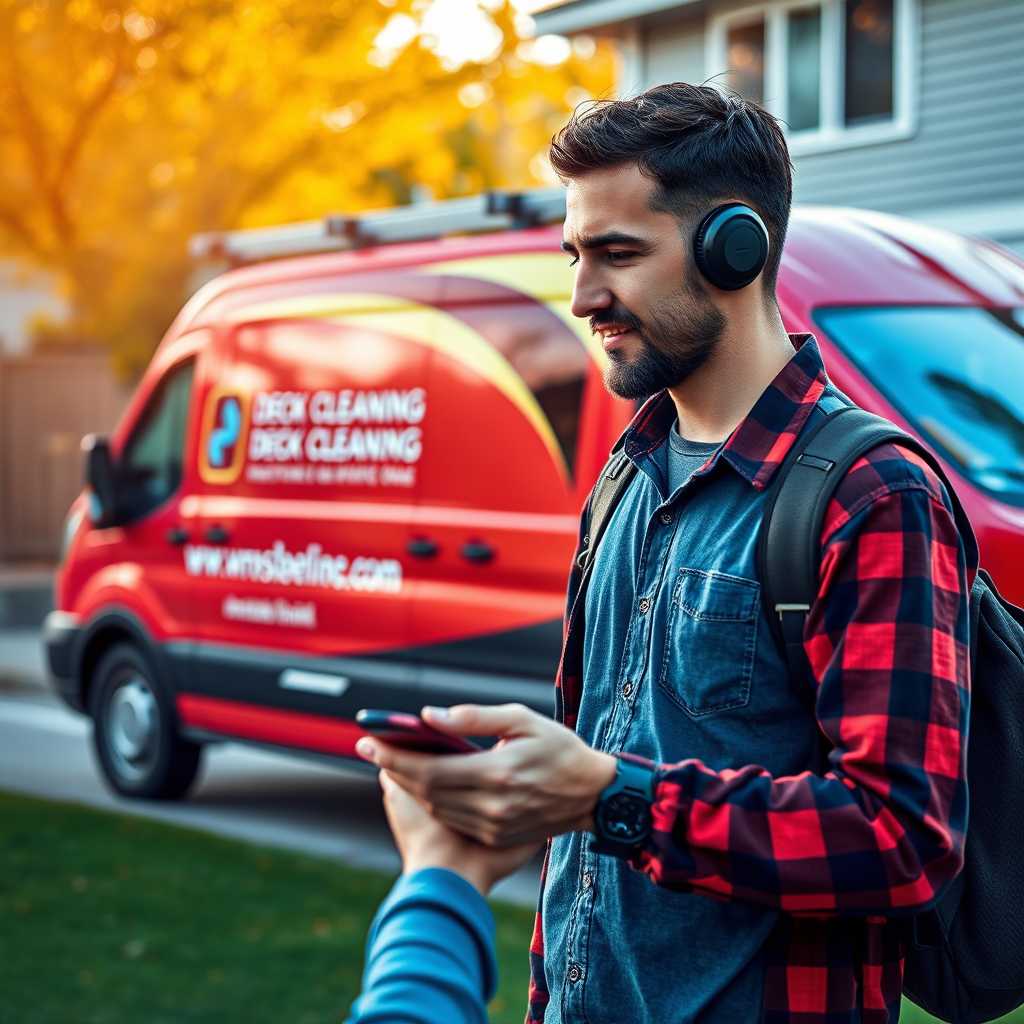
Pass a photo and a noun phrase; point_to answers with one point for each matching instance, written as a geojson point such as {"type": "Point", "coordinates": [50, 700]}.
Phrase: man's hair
{"type": "Point", "coordinates": [700, 144]}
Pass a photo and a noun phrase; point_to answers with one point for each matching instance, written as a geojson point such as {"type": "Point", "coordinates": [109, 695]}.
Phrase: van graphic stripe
{"type": "Point", "coordinates": [544, 277]}
{"type": "Point", "coordinates": [427, 326]}
{"type": "Point", "coordinates": [286, 728]}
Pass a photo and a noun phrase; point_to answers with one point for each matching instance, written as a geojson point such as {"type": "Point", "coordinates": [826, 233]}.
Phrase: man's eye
{"type": "Point", "coordinates": [620, 255]}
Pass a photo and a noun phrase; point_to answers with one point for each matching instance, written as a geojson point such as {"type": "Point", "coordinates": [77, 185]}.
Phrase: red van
{"type": "Point", "coordinates": [353, 479]}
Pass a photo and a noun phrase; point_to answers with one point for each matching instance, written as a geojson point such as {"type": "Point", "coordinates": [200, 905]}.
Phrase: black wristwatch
{"type": "Point", "coordinates": [622, 817]}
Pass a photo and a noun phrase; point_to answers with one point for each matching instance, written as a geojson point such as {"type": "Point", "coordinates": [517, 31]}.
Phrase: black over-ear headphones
{"type": "Point", "coordinates": [731, 246]}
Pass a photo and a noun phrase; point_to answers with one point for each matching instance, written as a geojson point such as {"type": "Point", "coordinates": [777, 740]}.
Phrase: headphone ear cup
{"type": "Point", "coordinates": [730, 247]}
{"type": "Point", "coordinates": [699, 252]}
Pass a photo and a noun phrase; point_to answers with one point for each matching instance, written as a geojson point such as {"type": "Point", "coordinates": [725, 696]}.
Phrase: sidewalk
{"type": "Point", "coordinates": [26, 594]}
{"type": "Point", "coordinates": [22, 661]}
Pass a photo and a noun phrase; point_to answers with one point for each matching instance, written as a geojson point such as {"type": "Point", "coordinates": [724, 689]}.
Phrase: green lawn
{"type": "Point", "coordinates": [111, 919]}
{"type": "Point", "coordinates": [108, 919]}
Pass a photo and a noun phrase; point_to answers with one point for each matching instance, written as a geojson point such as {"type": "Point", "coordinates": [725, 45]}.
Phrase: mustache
{"type": "Point", "coordinates": [615, 315]}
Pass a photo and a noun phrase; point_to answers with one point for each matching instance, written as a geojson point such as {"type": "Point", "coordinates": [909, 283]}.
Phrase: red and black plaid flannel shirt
{"type": "Point", "coordinates": [845, 854]}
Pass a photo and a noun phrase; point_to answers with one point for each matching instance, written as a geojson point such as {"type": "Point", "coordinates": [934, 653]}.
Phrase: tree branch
{"type": "Point", "coordinates": [20, 229]}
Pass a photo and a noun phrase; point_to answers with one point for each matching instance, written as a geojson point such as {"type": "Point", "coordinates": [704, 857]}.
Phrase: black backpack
{"type": "Point", "coordinates": [965, 956]}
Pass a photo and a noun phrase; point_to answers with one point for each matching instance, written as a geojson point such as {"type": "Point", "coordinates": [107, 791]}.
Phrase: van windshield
{"type": "Point", "coordinates": [955, 373]}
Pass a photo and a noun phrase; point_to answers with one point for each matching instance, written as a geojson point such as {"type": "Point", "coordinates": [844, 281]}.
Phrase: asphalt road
{"type": "Point", "coordinates": [249, 794]}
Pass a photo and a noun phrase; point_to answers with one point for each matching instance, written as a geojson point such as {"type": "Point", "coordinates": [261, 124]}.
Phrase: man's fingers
{"type": "Point", "coordinates": [480, 719]}
{"type": "Point", "coordinates": [436, 772]}
{"type": "Point", "coordinates": [486, 832]}
{"type": "Point", "coordinates": [394, 760]}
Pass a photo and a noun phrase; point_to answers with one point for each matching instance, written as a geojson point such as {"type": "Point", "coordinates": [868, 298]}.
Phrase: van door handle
{"type": "Point", "coordinates": [177, 535]}
{"type": "Point", "coordinates": [477, 551]}
{"type": "Point", "coordinates": [423, 547]}
{"type": "Point", "coordinates": [216, 534]}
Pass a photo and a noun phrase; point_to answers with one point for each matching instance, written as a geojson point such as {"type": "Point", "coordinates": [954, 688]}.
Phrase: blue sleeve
{"type": "Point", "coordinates": [429, 954]}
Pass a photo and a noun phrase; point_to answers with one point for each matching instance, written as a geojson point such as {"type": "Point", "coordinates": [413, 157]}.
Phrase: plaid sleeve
{"type": "Point", "coordinates": [882, 830]}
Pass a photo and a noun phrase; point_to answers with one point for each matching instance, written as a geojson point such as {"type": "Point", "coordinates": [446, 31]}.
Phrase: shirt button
{"type": "Point", "coordinates": [666, 517]}
{"type": "Point", "coordinates": [588, 880]}
{"type": "Point", "coordinates": [627, 689]}
{"type": "Point", "coordinates": [574, 973]}
{"type": "Point", "coordinates": [645, 604]}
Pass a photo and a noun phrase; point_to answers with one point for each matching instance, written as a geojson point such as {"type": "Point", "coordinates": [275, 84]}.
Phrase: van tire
{"type": "Point", "coordinates": [135, 733]}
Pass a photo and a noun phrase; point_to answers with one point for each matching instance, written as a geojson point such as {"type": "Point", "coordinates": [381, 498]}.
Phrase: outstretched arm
{"type": "Point", "coordinates": [429, 954]}
{"type": "Point", "coordinates": [430, 951]}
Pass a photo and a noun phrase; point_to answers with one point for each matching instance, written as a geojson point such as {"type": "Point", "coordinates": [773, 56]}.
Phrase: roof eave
{"type": "Point", "coordinates": [567, 19]}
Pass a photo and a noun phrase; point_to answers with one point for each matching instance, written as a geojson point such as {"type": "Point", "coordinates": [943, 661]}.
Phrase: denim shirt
{"type": "Point", "coordinates": [678, 661]}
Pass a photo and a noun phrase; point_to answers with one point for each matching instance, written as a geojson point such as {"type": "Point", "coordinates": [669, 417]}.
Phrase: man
{"type": "Point", "coordinates": [770, 883]}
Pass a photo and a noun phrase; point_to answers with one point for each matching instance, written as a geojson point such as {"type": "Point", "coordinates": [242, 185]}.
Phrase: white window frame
{"type": "Point", "coordinates": [831, 134]}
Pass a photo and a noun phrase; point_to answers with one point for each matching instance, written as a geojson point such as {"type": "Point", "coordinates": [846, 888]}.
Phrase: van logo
{"type": "Point", "coordinates": [222, 449]}
{"type": "Point", "coordinates": [221, 446]}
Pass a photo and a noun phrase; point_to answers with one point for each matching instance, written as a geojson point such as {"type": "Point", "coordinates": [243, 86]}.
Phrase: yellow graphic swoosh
{"type": "Point", "coordinates": [427, 326]}
{"type": "Point", "coordinates": [544, 277]}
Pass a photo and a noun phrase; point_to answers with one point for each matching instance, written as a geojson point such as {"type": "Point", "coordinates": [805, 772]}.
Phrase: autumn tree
{"type": "Point", "coordinates": [127, 127]}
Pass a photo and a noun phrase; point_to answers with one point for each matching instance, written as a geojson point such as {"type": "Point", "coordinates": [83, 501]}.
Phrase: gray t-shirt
{"type": "Point", "coordinates": [685, 457]}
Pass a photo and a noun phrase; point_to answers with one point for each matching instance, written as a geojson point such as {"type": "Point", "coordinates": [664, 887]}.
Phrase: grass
{"type": "Point", "coordinates": [108, 918]}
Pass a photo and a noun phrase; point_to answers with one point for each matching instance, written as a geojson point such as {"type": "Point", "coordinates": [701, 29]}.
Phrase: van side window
{"type": "Point", "coordinates": [545, 355]}
{"type": "Point", "coordinates": [561, 401]}
{"type": "Point", "coordinates": [150, 469]}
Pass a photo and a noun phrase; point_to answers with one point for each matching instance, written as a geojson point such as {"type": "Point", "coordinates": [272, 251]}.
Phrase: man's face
{"type": "Point", "coordinates": [637, 283]}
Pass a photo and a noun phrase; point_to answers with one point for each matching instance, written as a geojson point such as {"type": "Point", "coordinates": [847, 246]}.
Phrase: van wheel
{"type": "Point", "coordinates": [134, 729]}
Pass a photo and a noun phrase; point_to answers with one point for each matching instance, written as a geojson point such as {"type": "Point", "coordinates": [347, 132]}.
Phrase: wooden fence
{"type": "Point", "coordinates": [48, 402]}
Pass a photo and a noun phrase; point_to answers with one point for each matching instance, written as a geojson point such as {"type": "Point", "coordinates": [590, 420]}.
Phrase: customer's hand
{"type": "Point", "coordinates": [424, 842]}
{"type": "Point", "coordinates": [539, 781]}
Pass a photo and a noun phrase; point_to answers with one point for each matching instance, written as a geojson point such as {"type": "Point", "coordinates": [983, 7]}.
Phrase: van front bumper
{"type": "Point", "coordinates": [61, 635]}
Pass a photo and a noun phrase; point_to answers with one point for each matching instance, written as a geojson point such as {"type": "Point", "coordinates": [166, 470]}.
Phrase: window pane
{"type": "Point", "coordinates": [803, 69]}
{"type": "Point", "coordinates": [869, 61]}
{"type": "Point", "coordinates": [745, 58]}
{"type": "Point", "coordinates": [150, 470]}
{"type": "Point", "coordinates": [956, 375]}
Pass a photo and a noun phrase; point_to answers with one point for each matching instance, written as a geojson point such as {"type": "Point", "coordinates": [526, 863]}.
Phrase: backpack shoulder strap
{"type": "Point", "coordinates": [788, 551]}
{"type": "Point", "coordinates": [611, 485]}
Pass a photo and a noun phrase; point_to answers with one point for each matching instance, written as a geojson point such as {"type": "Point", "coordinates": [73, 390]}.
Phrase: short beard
{"type": "Point", "coordinates": [676, 343]}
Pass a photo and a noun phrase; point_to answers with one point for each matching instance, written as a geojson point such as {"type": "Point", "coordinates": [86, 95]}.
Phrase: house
{"type": "Point", "coordinates": [905, 106]}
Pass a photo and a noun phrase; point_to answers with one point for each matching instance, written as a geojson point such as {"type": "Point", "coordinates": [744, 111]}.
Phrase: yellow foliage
{"type": "Point", "coordinates": [125, 130]}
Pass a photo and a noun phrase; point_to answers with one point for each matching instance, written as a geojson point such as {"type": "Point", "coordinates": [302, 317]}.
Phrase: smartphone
{"type": "Point", "coordinates": [410, 732]}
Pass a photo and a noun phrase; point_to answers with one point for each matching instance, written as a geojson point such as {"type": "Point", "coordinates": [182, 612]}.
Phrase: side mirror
{"type": "Point", "coordinates": [100, 476]}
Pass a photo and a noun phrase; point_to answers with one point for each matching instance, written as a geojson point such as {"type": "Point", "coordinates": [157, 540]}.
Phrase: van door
{"type": "Point", "coordinates": [142, 555]}
{"type": "Point", "coordinates": [308, 481]}
{"type": "Point", "coordinates": [498, 513]}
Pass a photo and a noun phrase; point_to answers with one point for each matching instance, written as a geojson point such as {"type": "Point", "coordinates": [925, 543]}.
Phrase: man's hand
{"type": "Point", "coordinates": [540, 780]}
{"type": "Point", "coordinates": [426, 843]}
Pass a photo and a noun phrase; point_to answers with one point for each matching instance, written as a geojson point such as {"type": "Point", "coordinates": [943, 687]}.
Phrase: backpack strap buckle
{"type": "Point", "coordinates": [792, 617]}
{"type": "Point", "coordinates": [781, 609]}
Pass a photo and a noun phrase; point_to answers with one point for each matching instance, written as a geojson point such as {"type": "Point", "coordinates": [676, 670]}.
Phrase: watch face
{"type": "Point", "coordinates": [624, 818]}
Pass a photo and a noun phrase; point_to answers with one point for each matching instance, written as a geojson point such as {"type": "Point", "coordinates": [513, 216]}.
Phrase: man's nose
{"type": "Point", "coordinates": [589, 295]}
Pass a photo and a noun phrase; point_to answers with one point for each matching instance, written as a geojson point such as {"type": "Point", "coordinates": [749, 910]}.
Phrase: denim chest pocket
{"type": "Point", "coordinates": [710, 641]}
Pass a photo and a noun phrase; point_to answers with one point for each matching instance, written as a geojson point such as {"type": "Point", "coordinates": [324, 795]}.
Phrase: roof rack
{"type": "Point", "coordinates": [488, 211]}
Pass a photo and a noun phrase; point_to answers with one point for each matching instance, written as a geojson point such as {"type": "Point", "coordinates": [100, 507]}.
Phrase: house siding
{"type": "Point", "coordinates": [967, 149]}
{"type": "Point", "coordinates": [674, 52]}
